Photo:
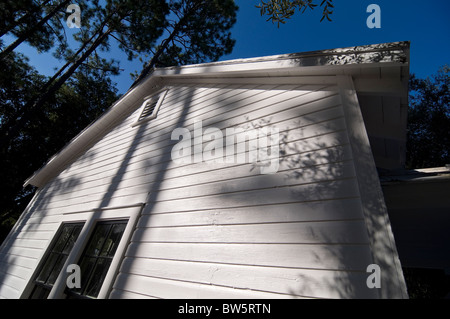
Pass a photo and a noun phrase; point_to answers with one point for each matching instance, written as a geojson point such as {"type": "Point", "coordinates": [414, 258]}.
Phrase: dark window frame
{"type": "Point", "coordinates": [59, 251]}
{"type": "Point", "coordinates": [97, 257]}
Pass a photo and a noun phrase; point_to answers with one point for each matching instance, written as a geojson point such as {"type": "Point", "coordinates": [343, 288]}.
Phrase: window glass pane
{"type": "Point", "coordinates": [39, 293]}
{"type": "Point", "coordinates": [72, 239]}
{"type": "Point", "coordinates": [86, 267]}
{"type": "Point", "coordinates": [65, 234]}
{"type": "Point", "coordinates": [97, 240]}
{"type": "Point", "coordinates": [56, 270]}
{"type": "Point", "coordinates": [47, 268]}
{"type": "Point", "coordinates": [97, 277]}
{"type": "Point", "coordinates": [110, 247]}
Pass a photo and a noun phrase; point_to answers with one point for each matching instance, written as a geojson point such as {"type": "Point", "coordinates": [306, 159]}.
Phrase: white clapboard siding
{"type": "Point", "coordinates": [290, 281]}
{"type": "Point", "coordinates": [306, 135]}
{"type": "Point", "coordinates": [302, 145]}
{"type": "Point", "coordinates": [335, 232]}
{"type": "Point", "coordinates": [212, 230]}
{"type": "Point", "coordinates": [163, 288]}
{"type": "Point", "coordinates": [122, 294]}
{"type": "Point", "coordinates": [160, 134]}
{"type": "Point", "coordinates": [139, 159]}
{"type": "Point", "coordinates": [219, 180]}
{"type": "Point", "coordinates": [22, 269]}
{"type": "Point", "coordinates": [317, 256]}
{"type": "Point", "coordinates": [302, 193]}
{"type": "Point", "coordinates": [13, 275]}
{"type": "Point", "coordinates": [343, 209]}
{"type": "Point", "coordinates": [21, 251]}
{"type": "Point", "coordinates": [184, 227]}
{"type": "Point", "coordinates": [124, 135]}
{"type": "Point", "coordinates": [216, 172]}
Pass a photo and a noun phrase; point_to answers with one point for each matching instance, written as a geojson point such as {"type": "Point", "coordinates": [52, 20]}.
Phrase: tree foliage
{"type": "Point", "coordinates": [200, 28]}
{"type": "Point", "coordinates": [76, 104]}
{"type": "Point", "coordinates": [196, 31]}
{"type": "Point", "coordinates": [429, 120]}
{"type": "Point", "coordinates": [36, 22]}
{"type": "Point", "coordinates": [39, 114]}
{"type": "Point", "coordinates": [278, 11]}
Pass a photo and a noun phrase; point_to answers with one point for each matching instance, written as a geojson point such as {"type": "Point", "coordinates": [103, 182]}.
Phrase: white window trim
{"type": "Point", "coordinates": [161, 94]}
{"type": "Point", "coordinates": [130, 213]}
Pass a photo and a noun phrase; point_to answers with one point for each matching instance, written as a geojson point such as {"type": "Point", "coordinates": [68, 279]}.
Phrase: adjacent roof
{"type": "Point", "coordinates": [380, 70]}
{"type": "Point", "coordinates": [423, 175]}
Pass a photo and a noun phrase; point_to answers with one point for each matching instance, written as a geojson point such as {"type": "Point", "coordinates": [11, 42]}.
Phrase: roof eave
{"type": "Point", "coordinates": [386, 54]}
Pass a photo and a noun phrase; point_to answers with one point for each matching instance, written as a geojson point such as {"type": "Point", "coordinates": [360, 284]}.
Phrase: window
{"type": "Point", "coordinates": [93, 243]}
{"type": "Point", "coordinates": [55, 259]}
{"type": "Point", "coordinates": [96, 258]}
{"type": "Point", "coordinates": [150, 107]}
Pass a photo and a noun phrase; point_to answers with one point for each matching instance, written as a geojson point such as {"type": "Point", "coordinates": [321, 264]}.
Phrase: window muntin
{"type": "Point", "coordinates": [97, 257]}
{"type": "Point", "coordinates": [55, 259]}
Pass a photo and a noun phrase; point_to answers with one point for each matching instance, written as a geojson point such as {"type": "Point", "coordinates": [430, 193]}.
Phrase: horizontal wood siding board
{"type": "Point", "coordinates": [20, 251]}
{"type": "Point", "coordinates": [349, 209]}
{"type": "Point", "coordinates": [328, 121]}
{"type": "Point", "coordinates": [11, 281]}
{"type": "Point", "coordinates": [23, 262]}
{"type": "Point", "coordinates": [335, 232]}
{"type": "Point", "coordinates": [174, 289]}
{"type": "Point", "coordinates": [28, 243]}
{"type": "Point", "coordinates": [123, 294]}
{"type": "Point", "coordinates": [229, 99]}
{"type": "Point", "coordinates": [14, 268]}
{"type": "Point", "coordinates": [299, 256]}
{"type": "Point", "coordinates": [289, 178]}
{"type": "Point", "coordinates": [123, 128]}
{"type": "Point", "coordinates": [281, 195]}
{"type": "Point", "coordinates": [35, 234]}
{"type": "Point", "coordinates": [290, 281]}
{"type": "Point", "coordinates": [8, 292]}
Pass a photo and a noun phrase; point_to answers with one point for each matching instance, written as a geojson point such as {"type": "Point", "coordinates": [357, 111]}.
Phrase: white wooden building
{"type": "Point", "coordinates": [141, 224]}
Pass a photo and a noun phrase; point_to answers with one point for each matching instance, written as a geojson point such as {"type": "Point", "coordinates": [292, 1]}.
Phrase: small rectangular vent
{"type": "Point", "coordinates": [150, 107]}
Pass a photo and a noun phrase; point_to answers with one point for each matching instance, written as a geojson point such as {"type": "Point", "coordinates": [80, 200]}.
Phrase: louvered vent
{"type": "Point", "coordinates": [150, 107]}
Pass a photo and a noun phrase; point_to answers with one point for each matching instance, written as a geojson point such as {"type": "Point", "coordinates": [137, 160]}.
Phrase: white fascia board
{"type": "Point", "coordinates": [379, 55]}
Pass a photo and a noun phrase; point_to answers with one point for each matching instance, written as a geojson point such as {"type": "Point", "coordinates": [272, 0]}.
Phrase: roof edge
{"type": "Point", "coordinates": [395, 52]}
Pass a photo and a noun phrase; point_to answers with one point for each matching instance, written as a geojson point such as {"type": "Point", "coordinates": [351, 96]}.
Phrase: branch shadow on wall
{"type": "Point", "coordinates": [319, 167]}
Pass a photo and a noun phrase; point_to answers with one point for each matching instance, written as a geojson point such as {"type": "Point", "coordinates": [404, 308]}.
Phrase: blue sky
{"type": "Point", "coordinates": [425, 23]}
